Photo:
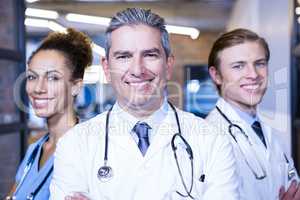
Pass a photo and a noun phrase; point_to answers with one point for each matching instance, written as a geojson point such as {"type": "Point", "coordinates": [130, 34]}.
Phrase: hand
{"type": "Point", "coordinates": [293, 192]}
{"type": "Point", "coordinates": [76, 196]}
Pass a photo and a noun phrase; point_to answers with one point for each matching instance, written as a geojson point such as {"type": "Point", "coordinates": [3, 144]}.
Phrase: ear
{"type": "Point", "coordinates": [215, 75]}
{"type": "Point", "coordinates": [76, 87]}
{"type": "Point", "coordinates": [105, 67]}
{"type": "Point", "coordinates": [170, 66]}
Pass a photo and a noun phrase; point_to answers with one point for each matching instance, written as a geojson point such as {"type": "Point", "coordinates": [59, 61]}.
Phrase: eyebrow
{"type": "Point", "coordinates": [243, 62]}
{"type": "Point", "coordinates": [153, 50]}
{"type": "Point", "coordinates": [238, 62]}
{"type": "Point", "coordinates": [261, 60]}
{"type": "Point", "coordinates": [116, 53]}
{"type": "Point", "coordinates": [47, 72]}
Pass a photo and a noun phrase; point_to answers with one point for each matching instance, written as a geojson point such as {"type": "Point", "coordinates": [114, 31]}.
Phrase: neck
{"type": "Point", "coordinates": [142, 111]}
{"type": "Point", "coordinates": [59, 124]}
{"type": "Point", "coordinates": [250, 109]}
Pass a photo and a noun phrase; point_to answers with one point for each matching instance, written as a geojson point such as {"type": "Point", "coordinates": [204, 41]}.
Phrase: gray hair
{"type": "Point", "coordinates": [135, 16]}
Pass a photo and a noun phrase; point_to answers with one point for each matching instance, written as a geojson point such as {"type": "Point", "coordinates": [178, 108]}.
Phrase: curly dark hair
{"type": "Point", "coordinates": [74, 45]}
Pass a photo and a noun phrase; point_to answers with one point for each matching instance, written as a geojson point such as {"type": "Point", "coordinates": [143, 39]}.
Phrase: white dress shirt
{"type": "Point", "coordinates": [80, 154]}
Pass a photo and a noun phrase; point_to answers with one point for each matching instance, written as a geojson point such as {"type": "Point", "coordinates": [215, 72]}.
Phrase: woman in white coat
{"type": "Point", "coordinates": [238, 64]}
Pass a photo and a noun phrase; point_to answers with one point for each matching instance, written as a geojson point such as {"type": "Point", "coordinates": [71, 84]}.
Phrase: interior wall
{"type": "Point", "coordinates": [187, 52]}
{"type": "Point", "coordinates": [272, 19]}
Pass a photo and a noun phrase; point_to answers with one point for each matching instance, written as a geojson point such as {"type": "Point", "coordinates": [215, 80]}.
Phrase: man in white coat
{"type": "Point", "coordinates": [127, 153]}
{"type": "Point", "coordinates": [238, 65]}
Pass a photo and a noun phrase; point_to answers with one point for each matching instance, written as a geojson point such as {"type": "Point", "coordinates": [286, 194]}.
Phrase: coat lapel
{"type": "Point", "coordinates": [163, 137]}
{"type": "Point", "coordinates": [119, 134]}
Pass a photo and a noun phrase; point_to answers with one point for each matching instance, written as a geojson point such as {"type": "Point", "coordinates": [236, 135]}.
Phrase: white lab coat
{"type": "Point", "coordinates": [80, 153]}
{"type": "Point", "coordinates": [271, 157]}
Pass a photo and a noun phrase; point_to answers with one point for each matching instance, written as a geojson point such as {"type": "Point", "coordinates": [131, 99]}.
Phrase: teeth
{"type": "Point", "coordinates": [41, 102]}
{"type": "Point", "coordinates": [251, 87]}
{"type": "Point", "coordinates": [138, 83]}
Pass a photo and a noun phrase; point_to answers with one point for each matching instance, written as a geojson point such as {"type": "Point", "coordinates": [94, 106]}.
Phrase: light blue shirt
{"type": "Point", "coordinates": [154, 120]}
{"type": "Point", "coordinates": [245, 116]}
{"type": "Point", "coordinates": [34, 176]}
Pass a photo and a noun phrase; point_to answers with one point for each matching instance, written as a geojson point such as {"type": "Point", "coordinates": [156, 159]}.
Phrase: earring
{"type": "Point", "coordinates": [74, 93]}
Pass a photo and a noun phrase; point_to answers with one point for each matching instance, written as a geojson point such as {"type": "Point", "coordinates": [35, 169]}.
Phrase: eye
{"type": "Point", "coordinates": [122, 57]}
{"type": "Point", "coordinates": [261, 64]}
{"type": "Point", "coordinates": [238, 66]}
{"type": "Point", "coordinates": [30, 77]}
{"type": "Point", "coordinates": [53, 78]}
{"type": "Point", "coordinates": [151, 55]}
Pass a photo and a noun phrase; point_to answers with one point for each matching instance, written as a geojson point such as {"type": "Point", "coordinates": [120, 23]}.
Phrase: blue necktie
{"type": "Point", "coordinates": [141, 130]}
{"type": "Point", "coordinates": [258, 130]}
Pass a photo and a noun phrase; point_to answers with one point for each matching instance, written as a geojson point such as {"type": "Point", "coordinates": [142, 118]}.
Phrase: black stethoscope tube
{"type": "Point", "coordinates": [223, 115]}
{"type": "Point", "coordinates": [232, 125]}
{"type": "Point", "coordinates": [105, 172]}
{"type": "Point", "coordinates": [34, 193]}
{"type": "Point", "coordinates": [106, 133]}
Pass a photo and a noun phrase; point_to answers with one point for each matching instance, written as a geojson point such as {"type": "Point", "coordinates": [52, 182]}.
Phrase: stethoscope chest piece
{"type": "Point", "coordinates": [291, 174]}
{"type": "Point", "coordinates": [30, 197]}
{"type": "Point", "coordinates": [105, 173]}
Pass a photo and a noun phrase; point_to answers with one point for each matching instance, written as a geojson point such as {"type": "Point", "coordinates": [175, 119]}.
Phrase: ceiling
{"type": "Point", "coordinates": [206, 15]}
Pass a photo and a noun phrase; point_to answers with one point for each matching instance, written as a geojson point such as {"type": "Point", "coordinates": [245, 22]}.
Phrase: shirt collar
{"type": "Point", "coordinates": [154, 120]}
{"type": "Point", "coordinates": [157, 117]}
{"type": "Point", "coordinates": [249, 119]}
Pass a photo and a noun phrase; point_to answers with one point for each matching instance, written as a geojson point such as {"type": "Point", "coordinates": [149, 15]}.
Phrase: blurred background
{"type": "Point", "coordinates": [193, 25]}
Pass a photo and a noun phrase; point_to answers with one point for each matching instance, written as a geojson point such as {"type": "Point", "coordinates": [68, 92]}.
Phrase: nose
{"type": "Point", "coordinates": [137, 67]}
{"type": "Point", "coordinates": [252, 71]}
{"type": "Point", "coordinates": [41, 86]}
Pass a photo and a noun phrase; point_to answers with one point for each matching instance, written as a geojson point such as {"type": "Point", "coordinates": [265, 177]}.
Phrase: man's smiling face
{"type": "Point", "coordinates": [138, 67]}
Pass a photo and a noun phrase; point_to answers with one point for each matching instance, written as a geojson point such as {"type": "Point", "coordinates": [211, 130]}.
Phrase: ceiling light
{"type": "Point", "coordinates": [56, 27]}
{"type": "Point", "coordinates": [36, 22]}
{"type": "Point", "coordinates": [31, 1]}
{"type": "Point", "coordinates": [88, 19]}
{"type": "Point", "coordinates": [193, 86]}
{"type": "Point", "coordinates": [297, 10]}
{"type": "Point", "coordinates": [49, 14]}
{"type": "Point", "coordinates": [43, 23]}
{"type": "Point", "coordinates": [116, 0]}
{"type": "Point", "coordinates": [192, 32]}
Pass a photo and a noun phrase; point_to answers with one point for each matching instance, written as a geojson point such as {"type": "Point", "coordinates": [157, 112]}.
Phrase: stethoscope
{"type": "Point", "coordinates": [291, 171]}
{"type": "Point", "coordinates": [105, 172]}
{"type": "Point", "coordinates": [26, 170]}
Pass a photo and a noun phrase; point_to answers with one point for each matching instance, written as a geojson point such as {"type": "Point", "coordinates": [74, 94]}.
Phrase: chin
{"type": "Point", "coordinates": [142, 103]}
{"type": "Point", "coordinates": [253, 101]}
{"type": "Point", "coordinates": [43, 113]}
{"type": "Point", "coordinates": [137, 103]}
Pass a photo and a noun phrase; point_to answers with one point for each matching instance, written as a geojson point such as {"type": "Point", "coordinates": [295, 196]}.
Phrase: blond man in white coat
{"type": "Point", "coordinates": [238, 65]}
{"type": "Point", "coordinates": [127, 153]}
